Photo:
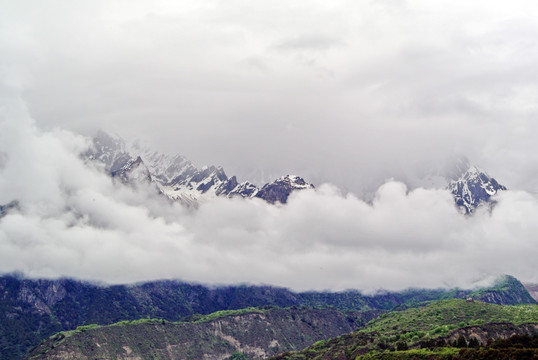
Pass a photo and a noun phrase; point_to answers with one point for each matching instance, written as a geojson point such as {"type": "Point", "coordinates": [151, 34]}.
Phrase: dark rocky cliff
{"type": "Point", "coordinates": [256, 333]}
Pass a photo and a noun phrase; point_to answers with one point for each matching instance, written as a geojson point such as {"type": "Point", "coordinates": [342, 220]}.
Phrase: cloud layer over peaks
{"type": "Point", "coordinates": [74, 221]}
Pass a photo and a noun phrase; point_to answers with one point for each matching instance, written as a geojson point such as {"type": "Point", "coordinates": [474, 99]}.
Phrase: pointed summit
{"type": "Point", "coordinates": [280, 189]}
{"type": "Point", "coordinates": [470, 186]}
{"type": "Point", "coordinates": [133, 172]}
{"type": "Point", "coordinates": [473, 187]}
{"type": "Point", "coordinates": [108, 150]}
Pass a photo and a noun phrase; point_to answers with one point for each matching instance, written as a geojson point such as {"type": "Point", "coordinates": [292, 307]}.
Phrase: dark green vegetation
{"type": "Point", "coordinates": [517, 347]}
{"type": "Point", "coordinates": [441, 317]}
{"type": "Point", "coordinates": [253, 333]}
{"type": "Point", "coordinates": [431, 328]}
{"type": "Point", "coordinates": [32, 310]}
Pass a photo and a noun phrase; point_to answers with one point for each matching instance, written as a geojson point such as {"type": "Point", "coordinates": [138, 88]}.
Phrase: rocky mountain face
{"type": "Point", "coordinates": [280, 189]}
{"type": "Point", "coordinates": [491, 332]}
{"type": "Point", "coordinates": [253, 333]}
{"type": "Point", "coordinates": [470, 186]}
{"type": "Point", "coordinates": [473, 188]}
{"type": "Point", "coordinates": [507, 290]}
{"type": "Point", "coordinates": [177, 178]}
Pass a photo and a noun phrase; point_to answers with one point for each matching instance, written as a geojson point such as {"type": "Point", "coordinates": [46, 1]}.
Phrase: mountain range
{"type": "Point", "coordinates": [175, 177]}
{"type": "Point", "coordinates": [33, 310]}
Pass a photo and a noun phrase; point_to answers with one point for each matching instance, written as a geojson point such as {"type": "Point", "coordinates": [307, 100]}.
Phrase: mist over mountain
{"type": "Point", "coordinates": [368, 102]}
{"type": "Point", "coordinates": [348, 93]}
{"type": "Point", "coordinates": [177, 178]}
{"type": "Point", "coordinates": [75, 219]}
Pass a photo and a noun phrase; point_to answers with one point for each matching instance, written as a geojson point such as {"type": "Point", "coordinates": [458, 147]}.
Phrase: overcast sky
{"type": "Point", "coordinates": [340, 91]}
{"type": "Point", "coordinates": [351, 93]}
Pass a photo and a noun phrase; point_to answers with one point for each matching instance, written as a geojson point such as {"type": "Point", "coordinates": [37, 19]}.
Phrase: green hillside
{"type": "Point", "coordinates": [425, 325]}
{"type": "Point", "coordinates": [440, 317]}
{"type": "Point", "coordinates": [254, 333]}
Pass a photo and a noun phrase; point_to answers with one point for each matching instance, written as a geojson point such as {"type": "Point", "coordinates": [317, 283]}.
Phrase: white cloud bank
{"type": "Point", "coordinates": [73, 221]}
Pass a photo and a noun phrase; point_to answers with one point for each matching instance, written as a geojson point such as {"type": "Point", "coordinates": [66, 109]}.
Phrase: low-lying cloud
{"type": "Point", "coordinates": [74, 221]}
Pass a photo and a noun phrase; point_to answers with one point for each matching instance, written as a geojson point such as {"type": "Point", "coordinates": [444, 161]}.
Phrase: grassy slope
{"type": "Point", "coordinates": [438, 318]}
{"type": "Point", "coordinates": [434, 320]}
{"type": "Point", "coordinates": [517, 347]}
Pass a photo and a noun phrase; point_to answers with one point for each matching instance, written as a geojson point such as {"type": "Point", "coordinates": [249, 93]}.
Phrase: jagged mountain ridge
{"type": "Point", "coordinates": [177, 178]}
{"type": "Point", "coordinates": [470, 186]}
{"type": "Point", "coordinates": [473, 188]}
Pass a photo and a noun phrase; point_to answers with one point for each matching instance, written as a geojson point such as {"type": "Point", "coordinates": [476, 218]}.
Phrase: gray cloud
{"type": "Point", "coordinates": [309, 42]}
{"type": "Point", "coordinates": [374, 91]}
{"type": "Point", "coordinates": [370, 87]}
{"type": "Point", "coordinates": [73, 221]}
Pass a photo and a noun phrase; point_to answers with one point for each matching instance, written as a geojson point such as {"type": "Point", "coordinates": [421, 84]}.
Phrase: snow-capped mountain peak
{"type": "Point", "coordinates": [280, 189]}
{"type": "Point", "coordinates": [109, 151]}
{"type": "Point", "coordinates": [177, 178]}
{"type": "Point", "coordinates": [474, 187]}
